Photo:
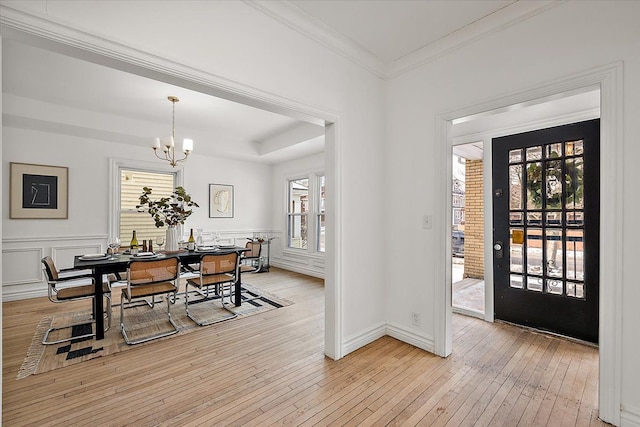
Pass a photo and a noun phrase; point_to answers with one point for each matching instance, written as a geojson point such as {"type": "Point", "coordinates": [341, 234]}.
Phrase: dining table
{"type": "Point", "coordinates": [117, 263]}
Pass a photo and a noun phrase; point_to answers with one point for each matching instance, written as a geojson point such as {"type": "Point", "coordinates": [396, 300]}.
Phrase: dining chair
{"type": "Point", "coordinates": [250, 260]}
{"type": "Point", "coordinates": [217, 271]}
{"type": "Point", "coordinates": [150, 278]}
{"type": "Point", "coordinates": [72, 285]}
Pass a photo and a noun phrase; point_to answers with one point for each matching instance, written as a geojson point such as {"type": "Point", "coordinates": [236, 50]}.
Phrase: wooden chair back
{"type": "Point", "coordinates": [214, 264]}
{"type": "Point", "coordinates": [146, 272]}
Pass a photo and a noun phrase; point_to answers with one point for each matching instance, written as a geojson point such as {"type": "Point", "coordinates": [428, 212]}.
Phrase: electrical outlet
{"type": "Point", "coordinates": [415, 319]}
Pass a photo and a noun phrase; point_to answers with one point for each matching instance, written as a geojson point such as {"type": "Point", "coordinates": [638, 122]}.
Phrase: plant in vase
{"type": "Point", "coordinates": [169, 211]}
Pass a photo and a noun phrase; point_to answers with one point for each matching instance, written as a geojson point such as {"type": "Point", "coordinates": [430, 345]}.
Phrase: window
{"type": "Point", "coordinates": [131, 184]}
{"type": "Point", "coordinates": [298, 207]}
{"type": "Point", "coordinates": [320, 213]}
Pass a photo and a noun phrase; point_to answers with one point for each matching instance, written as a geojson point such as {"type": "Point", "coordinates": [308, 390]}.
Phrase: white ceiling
{"type": "Point", "coordinates": [137, 109]}
{"type": "Point", "coordinates": [48, 91]}
{"type": "Point", "coordinates": [392, 29]}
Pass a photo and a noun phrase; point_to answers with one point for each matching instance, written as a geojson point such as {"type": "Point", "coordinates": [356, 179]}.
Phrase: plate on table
{"type": "Point", "coordinates": [95, 257]}
{"type": "Point", "coordinates": [145, 255]}
{"type": "Point", "coordinates": [227, 246]}
{"type": "Point", "coordinates": [206, 248]}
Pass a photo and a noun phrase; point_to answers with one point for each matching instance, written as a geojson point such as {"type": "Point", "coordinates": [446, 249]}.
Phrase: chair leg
{"type": "Point", "coordinates": [45, 340]}
{"type": "Point", "coordinates": [205, 295]}
{"type": "Point", "coordinates": [152, 337]}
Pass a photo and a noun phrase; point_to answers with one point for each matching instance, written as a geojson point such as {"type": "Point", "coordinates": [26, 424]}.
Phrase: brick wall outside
{"type": "Point", "coordinates": [474, 222]}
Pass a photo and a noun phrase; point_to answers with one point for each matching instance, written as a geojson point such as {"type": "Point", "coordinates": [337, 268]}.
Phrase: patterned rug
{"type": "Point", "coordinates": [140, 320]}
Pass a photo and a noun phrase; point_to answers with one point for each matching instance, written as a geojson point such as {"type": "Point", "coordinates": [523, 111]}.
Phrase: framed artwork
{"type": "Point", "coordinates": [39, 191]}
{"type": "Point", "coordinates": [220, 201]}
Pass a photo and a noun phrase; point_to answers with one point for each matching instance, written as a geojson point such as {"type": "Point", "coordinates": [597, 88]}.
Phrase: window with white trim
{"type": "Point", "coordinates": [297, 218]}
{"type": "Point", "coordinates": [320, 214]}
{"type": "Point", "coordinates": [131, 182]}
{"type": "Point", "coordinates": [305, 213]}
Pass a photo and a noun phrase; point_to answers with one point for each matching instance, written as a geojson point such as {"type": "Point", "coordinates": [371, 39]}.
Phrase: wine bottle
{"type": "Point", "coordinates": [134, 246]}
{"type": "Point", "coordinates": [191, 243]}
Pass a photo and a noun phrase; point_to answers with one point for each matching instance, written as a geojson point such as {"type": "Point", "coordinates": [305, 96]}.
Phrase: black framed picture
{"type": "Point", "coordinates": [39, 191]}
{"type": "Point", "coordinates": [220, 201]}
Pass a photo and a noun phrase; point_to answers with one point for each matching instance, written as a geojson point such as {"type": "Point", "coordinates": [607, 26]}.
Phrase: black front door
{"type": "Point", "coordinates": [546, 216]}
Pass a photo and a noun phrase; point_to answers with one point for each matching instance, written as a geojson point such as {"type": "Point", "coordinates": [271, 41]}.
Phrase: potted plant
{"type": "Point", "coordinates": [169, 211]}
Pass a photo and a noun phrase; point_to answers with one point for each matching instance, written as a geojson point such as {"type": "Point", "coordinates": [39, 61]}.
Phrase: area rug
{"type": "Point", "coordinates": [140, 320]}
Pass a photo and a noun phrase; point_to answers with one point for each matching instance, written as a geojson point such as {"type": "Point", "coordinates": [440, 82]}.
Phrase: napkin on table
{"type": "Point", "coordinates": [92, 256]}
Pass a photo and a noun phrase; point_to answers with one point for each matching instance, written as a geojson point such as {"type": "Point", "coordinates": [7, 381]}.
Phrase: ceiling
{"type": "Point", "coordinates": [392, 29]}
{"type": "Point", "coordinates": [52, 92]}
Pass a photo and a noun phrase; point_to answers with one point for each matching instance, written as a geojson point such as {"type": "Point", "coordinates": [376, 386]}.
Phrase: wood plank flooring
{"type": "Point", "coordinates": [270, 369]}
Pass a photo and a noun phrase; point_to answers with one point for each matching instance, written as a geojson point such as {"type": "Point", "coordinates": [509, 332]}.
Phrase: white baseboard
{"type": "Point", "coordinates": [15, 293]}
{"type": "Point", "coordinates": [363, 338]}
{"type": "Point", "coordinates": [411, 337]}
{"type": "Point", "coordinates": [297, 268]}
{"type": "Point", "coordinates": [629, 416]}
{"type": "Point", "coordinates": [395, 331]}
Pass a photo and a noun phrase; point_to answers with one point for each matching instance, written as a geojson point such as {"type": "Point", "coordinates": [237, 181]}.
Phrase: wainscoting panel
{"type": "Point", "coordinates": [63, 255]}
{"type": "Point", "coordinates": [21, 266]}
{"type": "Point", "coordinates": [22, 275]}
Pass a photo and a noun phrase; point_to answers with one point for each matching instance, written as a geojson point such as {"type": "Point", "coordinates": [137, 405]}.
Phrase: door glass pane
{"type": "Point", "coordinates": [516, 281]}
{"type": "Point", "coordinates": [574, 177]}
{"type": "Point", "coordinates": [574, 148]}
{"type": "Point", "coordinates": [575, 218]}
{"type": "Point", "coordinates": [554, 184]}
{"type": "Point", "coordinates": [534, 185]}
{"type": "Point", "coordinates": [534, 153]}
{"type": "Point", "coordinates": [554, 253]}
{"type": "Point", "coordinates": [575, 290]}
{"type": "Point", "coordinates": [553, 151]}
{"type": "Point", "coordinates": [575, 259]}
{"type": "Point", "coordinates": [515, 156]}
{"type": "Point", "coordinates": [534, 283]}
{"type": "Point", "coordinates": [554, 287]}
{"type": "Point", "coordinates": [553, 219]}
{"type": "Point", "coordinates": [534, 250]}
{"type": "Point", "coordinates": [515, 187]}
{"type": "Point", "coordinates": [534, 218]}
{"type": "Point", "coordinates": [515, 250]}
{"type": "Point", "coordinates": [516, 218]}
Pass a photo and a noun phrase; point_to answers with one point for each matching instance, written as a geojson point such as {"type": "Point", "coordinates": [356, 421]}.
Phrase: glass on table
{"type": "Point", "coordinates": [160, 242]}
{"type": "Point", "coordinates": [114, 245]}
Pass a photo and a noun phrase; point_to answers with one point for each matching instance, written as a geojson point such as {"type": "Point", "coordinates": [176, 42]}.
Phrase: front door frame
{"type": "Point", "coordinates": [609, 80]}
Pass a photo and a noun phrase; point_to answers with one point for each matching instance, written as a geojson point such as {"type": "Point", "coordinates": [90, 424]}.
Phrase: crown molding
{"type": "Point", "coordinates": [510, 15]}
{"type": "Point", "coordinates": [294, 18]}
{"type": "Point", "coordinates": [298, 20]}
{"type": "Point", "coordinates": [46, 33]}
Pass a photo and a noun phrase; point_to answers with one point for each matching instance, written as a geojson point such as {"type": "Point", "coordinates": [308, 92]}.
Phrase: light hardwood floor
{"type": "Point", "coordinates": [270, 369]}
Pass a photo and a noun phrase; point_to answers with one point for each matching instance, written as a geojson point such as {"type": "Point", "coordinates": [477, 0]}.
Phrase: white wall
{"type": "Point", "coordinates": [234, 41]}
{"type": "Point", "coordinates": [573, 37]}
{"type": "Point", "coordinates": [306, 262]}
{"type": "Point", "coordinates": [25, 242]}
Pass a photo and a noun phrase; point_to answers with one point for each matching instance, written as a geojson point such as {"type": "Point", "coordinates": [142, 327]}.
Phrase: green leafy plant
{"type": "Point", "coordinates": [169, 211]}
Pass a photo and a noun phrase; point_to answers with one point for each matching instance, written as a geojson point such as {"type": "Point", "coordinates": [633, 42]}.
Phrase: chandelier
{"type": "Point", "coordinates": [168, 144]}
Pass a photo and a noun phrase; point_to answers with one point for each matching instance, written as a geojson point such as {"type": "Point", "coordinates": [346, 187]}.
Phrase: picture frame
{"type": "Point", "coordinates": [220, 201]}
{"type": "Point", "coordinates": [38, 191]}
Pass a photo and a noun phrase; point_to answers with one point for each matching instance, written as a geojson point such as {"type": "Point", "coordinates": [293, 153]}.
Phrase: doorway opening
{"type": "Point", "coordinates": [467, 230]}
